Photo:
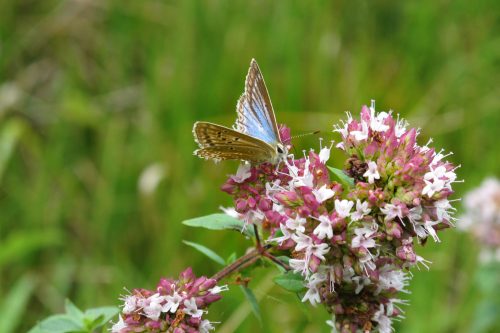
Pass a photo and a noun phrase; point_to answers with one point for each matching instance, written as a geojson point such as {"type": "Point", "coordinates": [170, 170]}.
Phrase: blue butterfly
{"type": "Point", "coordinates": [255, 137]}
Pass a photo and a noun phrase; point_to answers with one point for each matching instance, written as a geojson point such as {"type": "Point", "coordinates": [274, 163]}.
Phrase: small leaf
{"type": "Point", "coordinates": [253, 302]}
{"type": "Point", "coordinates": [346, 181]}
{"type": "Point", "coordinates": [219, 222]}
{"type": "Point", "coordinates": [290, 281]}
{"type": "Point", "coordinates": [100, 316]}
{"type": "Point", "coordinates": [59, 323]}
{"type": "Point", "coordinates": [73, 311]}
{"type": "Point", "coordinates": [206, 251]}
{"type": "Point", "coordinates": [284, 259]}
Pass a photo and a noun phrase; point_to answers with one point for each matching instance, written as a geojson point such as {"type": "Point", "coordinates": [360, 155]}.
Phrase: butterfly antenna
{"type": "Point", "coordinates": [305, 134]}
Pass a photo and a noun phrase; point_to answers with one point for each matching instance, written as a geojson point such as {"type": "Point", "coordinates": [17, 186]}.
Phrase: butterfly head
{"type": "Point", "coordinates": [281, 152]}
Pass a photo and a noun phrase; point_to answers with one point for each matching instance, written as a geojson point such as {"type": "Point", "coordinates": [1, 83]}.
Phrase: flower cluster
{"type": "Point", "coordinates": [353, 239]}
{"type": "Point", "coordinates": [175, 306]}
{"type": "Point", "coordinates": [482, 218]}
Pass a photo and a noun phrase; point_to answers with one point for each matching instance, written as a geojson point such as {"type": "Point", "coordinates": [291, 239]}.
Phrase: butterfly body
{"type": "Point", "coordinates": [255, 137]}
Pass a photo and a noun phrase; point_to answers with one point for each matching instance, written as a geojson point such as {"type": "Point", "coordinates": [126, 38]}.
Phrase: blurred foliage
{"type": "Point", "coordinates": [97, 101]}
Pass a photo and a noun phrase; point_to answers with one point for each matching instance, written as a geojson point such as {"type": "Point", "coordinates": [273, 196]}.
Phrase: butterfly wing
{"type": "Point", "coordinates": [255, 111]}
{"type": "Point", "coordinates": [221, 143]}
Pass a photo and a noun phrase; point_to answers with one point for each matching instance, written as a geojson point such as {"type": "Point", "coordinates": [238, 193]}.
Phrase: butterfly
{"type": "Point", "coordinates": [255, 136]}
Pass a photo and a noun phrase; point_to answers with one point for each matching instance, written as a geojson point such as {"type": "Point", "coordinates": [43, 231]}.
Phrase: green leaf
{"type": "Point", "coordinates": [219, 222]}
{"type": "Point", "coordinates": [346, 181]}
{"type": "Point", "coordinates": [290, 281]}
{"type": "Point", "coordinates": [73, 311]}
{"type": "Point", "coordinates": [60, 323]}
{"type": "Point", "coordinates": [14, 304]}
{"type": "Point", "coordinates": [253, 302]}
{"type": "Point", "coordinates": [101, 316]}
{"type": "Point", "coordinates": [206, 251]}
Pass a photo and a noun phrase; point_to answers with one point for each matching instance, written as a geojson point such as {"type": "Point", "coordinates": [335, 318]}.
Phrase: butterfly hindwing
{"type": "Point", "coordinates": [220, 143]}
{"type": "Point", "coordinates": [255, 111]}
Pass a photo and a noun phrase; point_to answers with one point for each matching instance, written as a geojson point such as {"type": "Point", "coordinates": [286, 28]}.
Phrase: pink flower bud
{"type": "Point", "coordinates": [241, 205]}
{"type": "Point", "coordinates": [288, 198]}
{"type": "Point", "coordinates": [265, 204]}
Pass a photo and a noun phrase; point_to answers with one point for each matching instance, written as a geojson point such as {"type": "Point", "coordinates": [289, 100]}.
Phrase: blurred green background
{"type": "Point", "coordinates": [97, 102]}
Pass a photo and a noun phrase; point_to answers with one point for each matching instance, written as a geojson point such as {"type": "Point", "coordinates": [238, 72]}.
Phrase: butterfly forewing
{"type": "Point", "coordinates": [221, 143]}
{"type": "Point", "coordinates": [255, 111]}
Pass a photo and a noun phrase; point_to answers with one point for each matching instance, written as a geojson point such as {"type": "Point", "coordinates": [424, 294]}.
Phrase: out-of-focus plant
{"type": "Point", "coordinates": [482, 220]}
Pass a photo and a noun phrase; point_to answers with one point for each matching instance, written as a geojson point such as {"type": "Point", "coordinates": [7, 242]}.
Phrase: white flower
{"type": "Point", "coordinates": [392, 278]}
{"type": "Point", "coordinates": [363, 238]}
{"type": "Point", "coordinates": [118, 326]}
{"type": "Point", "coordinates": [173, 302]}
{"type": "Point", "coordinates": [436, 173]}
{"type": "Point", "coordinates": [415, 214]}
{"type": "Point", "coordinates": [422, 229]}
{"type": "Point", "coordinates": [437, 157]}
{"type": "Point", "coordinates": [286, 235]}
{"type": "Point", "coordinates": [206, 326]}
{"type": "Point", "coordinates": [361, 135]}
{"type": "Point", "coordinates": [319, 250]}
{"type": "Point", "coordinates": [218, 289]}
{"type": "Point", "coordinates": [391, 211]}
{"type": "Point", "coordinates": [377, 120]}
{"type": "Point", "coordinates": [307, 179]}
{"type": "Point", "coordinates": [372, 172]}
{"type": "Point", "coordinates": [432, 187]}
{"type": "Point", "coordinates": [324, 154]}
{"type": "Point", "coordinates": [344, 131]}
{"type": "Point", "coordinates": [299, 265]}
{"type": "Point", "coordinates": [324, 228]}
{"type": "Point", "coordinates": [303, 241]}
{"type": "Point", "coordinates": [361, 210]}
{"type": "Point", "coordinates": [243, 173]}
{"type": "Point", "coordinates": [443, 208]}
{"type": "Point", "coordinates": [296, 224]}
{"type": "Point", "coordinates": [343, 208]}
{"type": "Point", "coordinates": [130, 304]}
{"type": "Point", "coordinates": [384, 322]}
{"type": "Point", "coordinates": [191, 308]}
{"type": "Point", "coordinates": [424, 262]}
{"type": "Point", "coordinates": [312, 295]}
{"type": "Point", "coordinates": [400, 127]}
{"type": "Point", "coordinates": [153, 308]}
{"type": "Point", "coordinates": [323, 193]}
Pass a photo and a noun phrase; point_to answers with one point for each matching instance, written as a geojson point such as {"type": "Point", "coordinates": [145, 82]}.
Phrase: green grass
{"type": "Point", "coordinates": [94, 92]}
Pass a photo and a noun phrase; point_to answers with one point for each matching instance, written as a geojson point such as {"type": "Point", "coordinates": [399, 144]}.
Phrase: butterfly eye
{"type": "Point", "coordinates": [279, 150]}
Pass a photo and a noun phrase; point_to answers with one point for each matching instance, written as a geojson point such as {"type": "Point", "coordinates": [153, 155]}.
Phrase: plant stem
{"type": "Point", "coordinates": [247, 260]}
{"type": "Point", "coordinates": [240, 263]}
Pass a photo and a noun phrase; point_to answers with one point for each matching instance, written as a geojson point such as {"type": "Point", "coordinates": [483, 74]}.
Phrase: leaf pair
{"type": "Point", "coordinates": [75, 320]}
